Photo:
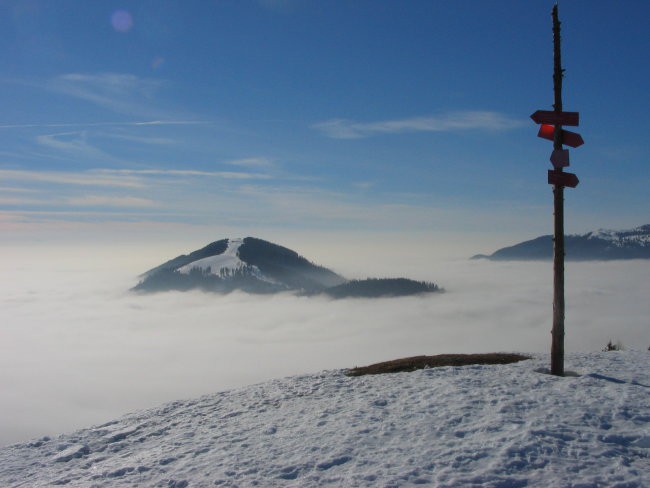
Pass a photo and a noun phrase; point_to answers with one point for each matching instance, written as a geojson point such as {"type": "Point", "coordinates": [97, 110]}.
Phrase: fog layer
{"type": "Point", "coordinates": [76, 348]}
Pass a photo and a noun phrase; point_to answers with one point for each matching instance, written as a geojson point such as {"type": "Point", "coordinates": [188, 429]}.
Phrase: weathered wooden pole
{"type": "Point", "coordinates": [557, 345]}
{"type": "Point", "coordinates": [551, 123]}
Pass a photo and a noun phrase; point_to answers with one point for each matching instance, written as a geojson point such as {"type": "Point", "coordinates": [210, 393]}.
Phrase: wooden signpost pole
{"type": "Point", "coordinates": [557, 345]}
{"type": "Point", "coordinates": [551, 123]}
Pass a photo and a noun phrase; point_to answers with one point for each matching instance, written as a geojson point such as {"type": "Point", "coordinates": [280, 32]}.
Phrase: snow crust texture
{"type": "Point", "coordinates": [473, 426]}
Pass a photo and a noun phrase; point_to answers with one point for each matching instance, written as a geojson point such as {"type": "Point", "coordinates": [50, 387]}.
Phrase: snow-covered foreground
{"type": "Point", "coordinates": [491, 426]}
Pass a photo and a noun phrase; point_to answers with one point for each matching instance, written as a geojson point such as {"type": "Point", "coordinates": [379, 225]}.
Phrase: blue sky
{"type": "Point", "coordinates": [316, 116]}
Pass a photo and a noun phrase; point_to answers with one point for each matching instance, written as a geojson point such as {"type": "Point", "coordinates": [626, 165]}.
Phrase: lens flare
{"type": "Point", "coordinates": [122, 21]}
{"type": "Point", "coordinates": [157, 62]}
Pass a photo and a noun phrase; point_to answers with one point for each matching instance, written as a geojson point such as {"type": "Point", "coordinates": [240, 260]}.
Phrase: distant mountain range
{"type": "Point", "coordinates": [599, 245]}
{"type": "Point", "coordinates": [256, 266]}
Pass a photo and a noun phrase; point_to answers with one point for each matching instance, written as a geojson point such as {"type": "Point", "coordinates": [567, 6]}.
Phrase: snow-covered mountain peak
{"type": "Point", "coordinates": [254, 265]}
{"type": "Point", "coordinates": [602, 244]}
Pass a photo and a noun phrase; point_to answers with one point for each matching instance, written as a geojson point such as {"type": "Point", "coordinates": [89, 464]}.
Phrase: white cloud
{"type": "Point", "coordinates": [110, 201]}
{"type": "Point", "coordinates": [20, 201]}
{"type": "Point", "coordinates": [157, 141]}
{"type": "Point", "coordinates": [171, 122]}
{"type": "Point", "coordinates": [106, 124]}
{"type": "Point", "coordinates": [118, 92]}
{"type": "Point", "coordinates": [88, 178]}
{"type": "Point", "coordinates": [230, 175]}
{"type": "Point", "coordinates": [364, 185]}
{"type": "Point", "coordinates": [251, 162]}
{"type": "Point", "coordinates": [73, 142]}
{"type": "Point", "coordinates": [121, 178]}
{"type": "Point", "coordinates": [448, 122]}
{"type": "Point", "coordinates": [6, 189]}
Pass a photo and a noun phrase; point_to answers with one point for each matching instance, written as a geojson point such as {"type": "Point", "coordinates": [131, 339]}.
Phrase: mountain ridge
{"type": "Point", "coordinates": [599, 245]}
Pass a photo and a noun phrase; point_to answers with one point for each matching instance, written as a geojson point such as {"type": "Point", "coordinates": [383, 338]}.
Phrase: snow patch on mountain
{"type": "Point", "coordinates": [229, 260]}
{"type": "Point", "coordinates": [639, 236]}
{"type": "Point", "coordinates": [226, 264]}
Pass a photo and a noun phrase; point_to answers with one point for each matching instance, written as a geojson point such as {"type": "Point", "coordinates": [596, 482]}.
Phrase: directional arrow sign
{"type": "Point", "coordinates": [561, 178]}
{"type": "Point", "coordinates": [568, 138]}
{"type": "Point", "coordinates": [555, 118]}
{"type": "Point", "coordinates": [560, 158]}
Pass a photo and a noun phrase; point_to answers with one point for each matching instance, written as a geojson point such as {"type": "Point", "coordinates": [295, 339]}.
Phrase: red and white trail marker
{"type": "Point", "coordinates": [569, 138]}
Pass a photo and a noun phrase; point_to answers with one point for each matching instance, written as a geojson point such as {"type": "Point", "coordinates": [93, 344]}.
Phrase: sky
{"type": "Point", "coordinates": [168, 119]}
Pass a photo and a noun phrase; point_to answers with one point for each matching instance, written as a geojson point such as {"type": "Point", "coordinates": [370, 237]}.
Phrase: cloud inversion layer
{"type": "Point", "coordinates": [78, 349]}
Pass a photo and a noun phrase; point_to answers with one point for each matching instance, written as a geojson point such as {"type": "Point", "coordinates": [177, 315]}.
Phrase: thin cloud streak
{"type": "Point", "coordinates": [260, 162]}
{"type": "Point", "coordinates": [180, 172]}
{"type": "Point", "coordinates": [172, 122]}
{"type": "Point", "coordinates": [126, 178]}
{"type": "Point", "coordinates": [107, 124]}
{"type": "Point", "coordinates": [72, 142]}
{"type": "Point", "coordinates": [448, 122]}
{"type": "Point", "coordinates": [118, 92]}
{"type": "Point", "coordinates": [109, 201]}
{"type": "Point", "coordinates": [13, 201]}
{"type": "Point", "coordinates": [69, 178]}
{"type": "Point", "coordinates": [54, 218]}
{"type": "Point", "coordinates": [6, 189]}
{"type": "Point", "coordinates": [155, 141]}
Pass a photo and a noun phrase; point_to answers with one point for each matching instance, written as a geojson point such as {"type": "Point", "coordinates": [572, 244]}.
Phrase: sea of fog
{"type": "Point", "coordinates": [77, 348]}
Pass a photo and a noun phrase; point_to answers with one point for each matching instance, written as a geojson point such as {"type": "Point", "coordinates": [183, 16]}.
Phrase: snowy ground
{"type": "Point", "coordinates": [476, 426]}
